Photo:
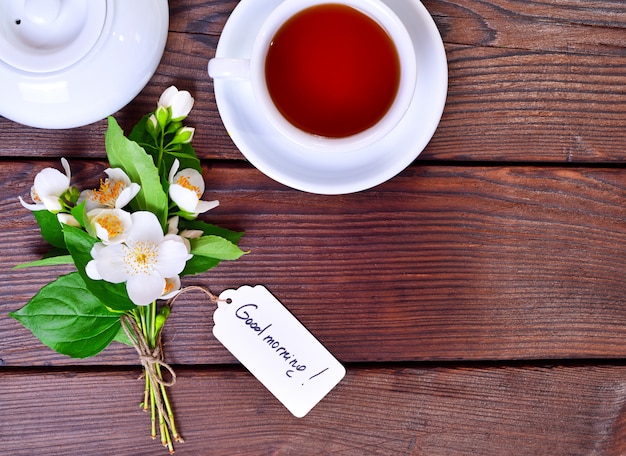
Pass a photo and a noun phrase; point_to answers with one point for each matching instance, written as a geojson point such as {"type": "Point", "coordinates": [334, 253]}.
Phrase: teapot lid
{"type": "Point", "coordinates": [68, 63]}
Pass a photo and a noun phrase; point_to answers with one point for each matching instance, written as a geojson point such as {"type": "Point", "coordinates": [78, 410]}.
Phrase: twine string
{"type": "Point", "coordinates": [215, 299]}
{"type": "Point", "coordinates": [152, 358]}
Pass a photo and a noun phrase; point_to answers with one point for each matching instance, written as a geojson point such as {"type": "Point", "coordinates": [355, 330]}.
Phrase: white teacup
{"type": "Point", "coordinates": [254, 70]}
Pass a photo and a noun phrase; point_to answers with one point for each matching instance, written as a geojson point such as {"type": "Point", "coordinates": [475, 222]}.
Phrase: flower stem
{"type": "Point", "coordinates": [147, 342]}
{"type": "Point", "coordinates": [146, 395]}
{"type": "Point", "coordinates": [170, 413]}
{"type": "Point", "coordinates": [152, 325]}
{"type": "Point", "coordinates": [160, 147]}
{"type": "Point", "coordinates": [153, 432]}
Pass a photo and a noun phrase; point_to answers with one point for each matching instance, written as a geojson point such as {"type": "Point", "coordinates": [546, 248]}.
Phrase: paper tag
{"type": "Point", "coordinates": [276, 348]}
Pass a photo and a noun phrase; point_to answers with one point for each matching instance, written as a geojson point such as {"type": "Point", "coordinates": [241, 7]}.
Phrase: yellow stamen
{"type": "Point", "coordinates": [108, 192]}
{"type": "Point", "coordinates": [169, 287]}
{"type": "Point", "coordinates": [184, 182]}
{"type": "Point", "coordinates": [140, 257]}
{"type": "Point", "coordinates": [112, 224]}
{"type": "Point", "coordinates": [35, 196]}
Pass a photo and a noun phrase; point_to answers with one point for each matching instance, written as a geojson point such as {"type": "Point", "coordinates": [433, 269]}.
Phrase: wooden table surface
{"type": "Point", "coordinates": [477, 299]}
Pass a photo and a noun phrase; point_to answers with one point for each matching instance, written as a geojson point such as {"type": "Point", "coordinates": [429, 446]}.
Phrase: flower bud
{"type": "Point", "coordinates": [151, 125]}
{"type": "Point", "coordinates": [67, 219]}
{"type": "Point", "coordinates": [180, 102]}
{"type": "Point", "coordinates": [71, 195]}
{"type": "Point", "coordinates": [161, 318]}
{"type": "Point", "coordinates": [184, 135]}
{"type": "Point", "coordinates": [162, 115]}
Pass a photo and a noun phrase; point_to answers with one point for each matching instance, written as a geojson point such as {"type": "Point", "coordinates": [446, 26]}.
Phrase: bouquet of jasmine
{"type": "Point", "coordinates": [131, 239]}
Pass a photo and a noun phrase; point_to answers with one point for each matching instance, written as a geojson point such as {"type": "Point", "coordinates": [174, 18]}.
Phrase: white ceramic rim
{"type": "Point", "coordinates": [387, 19]}
{"type": "Point", "coordinates": [103, 81]}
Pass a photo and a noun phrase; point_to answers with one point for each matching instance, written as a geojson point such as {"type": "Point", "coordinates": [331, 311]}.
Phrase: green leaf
{"type": "Point", "coordinates": [66, 317]}
{"type": "Point", "coordinates": [122, 337]}
{"type": "Point", "coordinates": [208, 229]}
{"type": "Point", "coordinates": [208, 252]}
{"type": "Point", "coordinates": [50, 227]}
{"type": "Point", "coordinates": [54, 252]}
{"type": "Point", "coordinates": [143, 138]}
{"type": "Point", "coordinates": [215, 247]}
{"type": "Point", "coordinates": [140, 133]}
{"type": "Point", "coordinates": [140, 168]}
{"type": "Point", "coordinates": [80, 214]}
{"type": "Point", "coordinates": [199, 264]}
{"type": "Point", "coordinates": [113, 295]}
{"type": "Point", "coordinates": [186, 155]}
{"type": "Point", "coordinates": [52, 261]}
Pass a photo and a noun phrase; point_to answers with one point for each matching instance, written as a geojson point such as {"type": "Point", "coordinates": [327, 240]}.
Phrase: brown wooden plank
{"type": "Point", "coordinates": [521, 88]}
{"type": "Point", "coordinates": [441, 262]}
{"type": "Point", "coordinates": [517, 106]}
{"type": "Point", "coordinates": [581, 27]}
{"type": "Point", "coordinates": [435, 411]}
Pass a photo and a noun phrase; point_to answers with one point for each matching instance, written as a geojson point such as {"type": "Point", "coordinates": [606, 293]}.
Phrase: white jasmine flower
{"type": "Point", "coordinates": [191, 234]}
{"type": "Point", "coordinates": [180, 102]}
{"type": "Point", "coordinates": [67, 219]}
{"type": "Point", "coordinates": [48, 187]}
{"type": "Point", "coordinates": [111, 225]}
{"type": "Point", "coordinates": [144, 261]}
{"type": "Point", "coordinates": [172, 228]}
{"type": "Point", "coordinates": [172, 225]}
{"type": "Point", "coordinates": [186, 189]}
{"type": "Point", "coordinates": [172, 287]}
{"type": "Point", "coordinates": [115, 192]}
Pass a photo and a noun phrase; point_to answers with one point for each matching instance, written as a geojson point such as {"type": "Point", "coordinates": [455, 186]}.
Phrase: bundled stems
{"type": "Point", "coordinates": [143, 327]}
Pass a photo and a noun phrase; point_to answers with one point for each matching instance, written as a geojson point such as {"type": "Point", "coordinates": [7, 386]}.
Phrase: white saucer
{"type": "Point", "coordinates": [292, 165]}
{"type": "Point", "coordinates": [68, 63]}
